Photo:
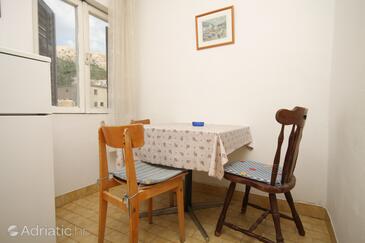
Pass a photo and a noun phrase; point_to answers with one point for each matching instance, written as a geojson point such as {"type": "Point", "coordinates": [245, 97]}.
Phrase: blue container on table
{"type": "Point", "coordinates": [197, 124]}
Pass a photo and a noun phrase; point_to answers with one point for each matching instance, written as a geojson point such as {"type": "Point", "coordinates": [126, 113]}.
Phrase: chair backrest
{"type": "Point", "coordinates": [126, 138]}
{"type": "Point", "coordinates": [145, 121]}
{"type": "Point", "coordinates": [296, 119]}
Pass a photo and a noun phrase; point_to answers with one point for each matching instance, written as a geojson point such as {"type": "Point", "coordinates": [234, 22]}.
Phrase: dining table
{"type": "Point", "coordinates": [193, 148]}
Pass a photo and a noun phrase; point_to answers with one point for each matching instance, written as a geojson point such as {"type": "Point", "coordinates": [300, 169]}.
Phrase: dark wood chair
{"type": "Point", "coordinates": [271, 179]}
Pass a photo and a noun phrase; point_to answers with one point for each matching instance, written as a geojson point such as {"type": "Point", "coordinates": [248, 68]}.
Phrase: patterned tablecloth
{"type": "Point", "coordinates": [196, 148]}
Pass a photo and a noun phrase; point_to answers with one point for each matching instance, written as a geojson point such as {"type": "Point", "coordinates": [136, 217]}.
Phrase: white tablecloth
{"type": "Point", "coordinates": [197, 148]}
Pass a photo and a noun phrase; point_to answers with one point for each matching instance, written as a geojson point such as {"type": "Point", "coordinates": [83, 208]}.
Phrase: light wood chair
{"type": "Point", "coordinates": [146, 122]}
{"type": "Point", "coordinates": [127, 138]}
{"type": "Point", "coordinates": [270, 179]}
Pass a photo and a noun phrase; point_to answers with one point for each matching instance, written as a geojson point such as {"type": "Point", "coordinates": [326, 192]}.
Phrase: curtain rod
{"type": "Point", "coordinates": [97, 5]}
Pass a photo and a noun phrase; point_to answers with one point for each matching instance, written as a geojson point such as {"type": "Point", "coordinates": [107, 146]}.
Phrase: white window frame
{"type": "Point", "coordinates": [90, 10]}
{"type": "Point", "coordinates": [82, 47]}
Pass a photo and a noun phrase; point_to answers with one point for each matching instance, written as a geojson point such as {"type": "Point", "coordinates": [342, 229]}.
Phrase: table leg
{"type": "Point", "coordinates": [189, 207]}
{"type": "Point", "coordinates": [188, 193]}
{"type": "Point", "coordinates": [188, 190]}
{"type": "Point", "coordinates": [188, 204]}
{"type": "Point", "coordinates": [198, 224]}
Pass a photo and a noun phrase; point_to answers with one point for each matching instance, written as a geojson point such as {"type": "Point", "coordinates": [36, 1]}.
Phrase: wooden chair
{"type": "Point", "coordinates": [271, 180]}
{"type": "Point", "coordinates": [146, 122]}
{"type": "Point", "coordinates": [140, 186]}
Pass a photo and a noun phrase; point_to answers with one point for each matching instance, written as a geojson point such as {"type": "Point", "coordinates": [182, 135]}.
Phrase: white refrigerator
{"type": "Point", "coordinates": [27, 201]}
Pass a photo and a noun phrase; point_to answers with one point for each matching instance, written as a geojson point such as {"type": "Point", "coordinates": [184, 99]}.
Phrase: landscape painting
{"type": "Point", "coordinates": [215, 28]}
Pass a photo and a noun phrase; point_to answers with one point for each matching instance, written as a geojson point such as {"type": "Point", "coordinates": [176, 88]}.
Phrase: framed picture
{"type": "Point", "coordinates": [215, 28]}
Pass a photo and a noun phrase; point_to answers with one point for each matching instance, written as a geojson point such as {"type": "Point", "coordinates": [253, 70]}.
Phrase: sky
{"type": "Point", "coordinates": [65, 15]}
{"type": "Point", "coordinates": [97, 34]}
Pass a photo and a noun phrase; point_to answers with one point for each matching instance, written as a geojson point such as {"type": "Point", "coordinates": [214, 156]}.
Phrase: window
{"type": "Point", "coordinates": [74, 35]}
{"type": "Point", "coordinates": [97, 57]}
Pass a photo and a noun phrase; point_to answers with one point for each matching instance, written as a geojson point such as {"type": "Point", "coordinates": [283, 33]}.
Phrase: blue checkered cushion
{"type": "Point", "coordinates": [148, 174]}
{"type": "Point", "coordinates": [253, 170]}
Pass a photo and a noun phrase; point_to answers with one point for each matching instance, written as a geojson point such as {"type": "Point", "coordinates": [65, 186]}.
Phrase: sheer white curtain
{"type": "Point", "coordinates": [121, 54]}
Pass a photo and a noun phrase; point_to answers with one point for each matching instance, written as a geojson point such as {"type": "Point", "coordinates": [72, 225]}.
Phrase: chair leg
{"type": "Point", "coordinates": [245, 199]}
{"type": "Point", "coordinates": [180, 209]}
{"type": "Point", "coordinates": [103, 206]}
{"type": "Point", "coordinates": [133, 220]}
{"type": "Point", "coordinates": [171, 198]}
{"type": "Point", "coordinates": [150, 208]}
{"type": "Point", "coordinates": [276, 217]}
{"type": "Point", "coordinates": [294, 213]}
{"type": "Point", "coordinates": [227, 201]}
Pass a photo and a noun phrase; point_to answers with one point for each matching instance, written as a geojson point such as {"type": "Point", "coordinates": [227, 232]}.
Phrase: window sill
{"type": "Point", "coordinates": [78, 110]}
{"type": "Point", "coordinates": [80, 113]}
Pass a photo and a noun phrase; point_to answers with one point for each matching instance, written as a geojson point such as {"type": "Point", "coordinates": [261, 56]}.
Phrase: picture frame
{"type": "Point", "coordinates": [215, 28]}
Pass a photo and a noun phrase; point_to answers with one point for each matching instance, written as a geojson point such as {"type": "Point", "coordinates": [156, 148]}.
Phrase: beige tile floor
{"type": "Point", "coordinates": [82, 217]}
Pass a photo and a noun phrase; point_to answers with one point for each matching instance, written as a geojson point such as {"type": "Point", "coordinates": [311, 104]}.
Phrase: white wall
{"type": "Point", "coordinates": [76, 153]}
{"type": "Point", "coordinates": [16, 29]}
{"type": "Point", "coordinates": [75, 135]}
{"type": "Point", "coordinates": [346, 199]}
{"type": "Point", "coordinates": [281, 58]}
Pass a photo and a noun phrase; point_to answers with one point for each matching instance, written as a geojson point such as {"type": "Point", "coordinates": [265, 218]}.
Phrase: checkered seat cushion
{"type": "Point", "coordinates": [253, 170]}
{"type": "Point", "coordinates": [148, 174]}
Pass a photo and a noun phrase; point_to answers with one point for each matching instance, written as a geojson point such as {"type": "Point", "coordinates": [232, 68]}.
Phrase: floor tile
{"type": "Point", "coordinates": [82, 215]}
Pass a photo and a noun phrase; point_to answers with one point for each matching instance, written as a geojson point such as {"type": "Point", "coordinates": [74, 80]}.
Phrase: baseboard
{"type": "Point", "coordinates": [75, 195]}
{"type": "Point", "coordinates": [330, 228]}
{"type": "Point", "coordinates": [304, 209]}
{"type": "Point", "coordinates": [310, 210]}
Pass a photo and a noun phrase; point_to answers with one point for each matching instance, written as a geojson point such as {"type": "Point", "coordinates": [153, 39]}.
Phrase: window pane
{"type": "Point", "coordinates": [66, 53]}
{"type": "Point", "coordinates": [98, 62]}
